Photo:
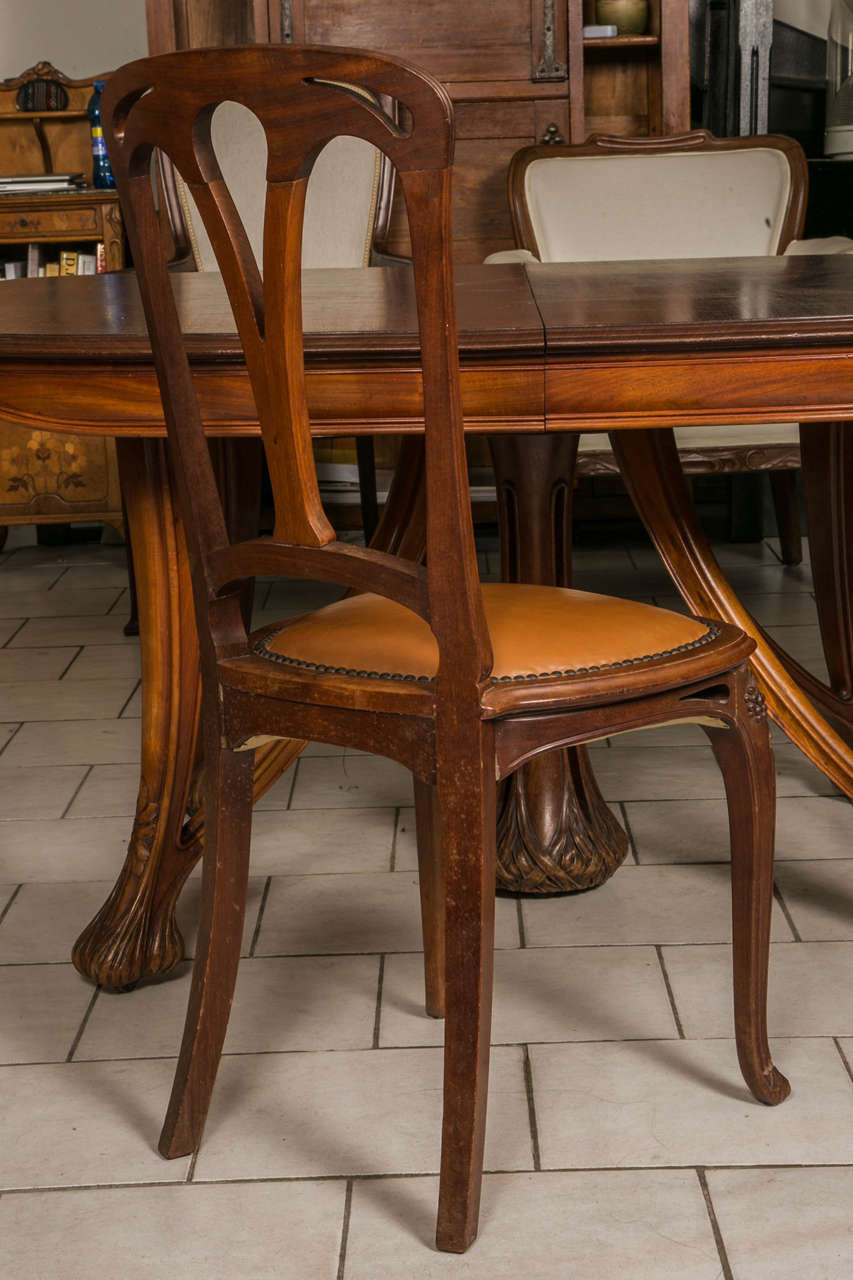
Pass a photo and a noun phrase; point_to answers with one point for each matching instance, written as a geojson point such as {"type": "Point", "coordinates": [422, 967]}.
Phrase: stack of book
{"type": "Point", "coordinates": [28, 184]}
{"type": "Point", "coordinates": [51, 260]}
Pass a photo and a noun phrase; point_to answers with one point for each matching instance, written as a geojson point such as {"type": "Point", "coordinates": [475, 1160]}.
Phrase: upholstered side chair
{"type": "Point", "coordinates": [692, 196]}
{"type": "Point", "coordinates": [460, 682]}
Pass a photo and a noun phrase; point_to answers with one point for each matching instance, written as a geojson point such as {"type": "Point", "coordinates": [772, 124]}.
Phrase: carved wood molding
{"type": "Point", "coordinates": [717, 461]}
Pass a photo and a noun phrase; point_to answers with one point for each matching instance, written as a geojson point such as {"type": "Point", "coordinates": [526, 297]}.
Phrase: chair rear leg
{"type": "Point", "coordinates": [746, 762]}
{"type": "Point", "coordinates": [431, 878]}
{"type": "Point", "coordinates": [228, 815]}
{"type": "Point", "coordinates": [467, 797]}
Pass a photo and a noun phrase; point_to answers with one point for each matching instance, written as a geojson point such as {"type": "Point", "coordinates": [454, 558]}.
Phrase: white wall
{"type": "Point", "coordinates": [80, 37]}
{"type": "Point", "coordinates": [808, 15]}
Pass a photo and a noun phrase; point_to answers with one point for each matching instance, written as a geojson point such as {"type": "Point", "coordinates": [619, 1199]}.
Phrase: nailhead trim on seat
{"type": "Point", "coordinates": [261, 648]}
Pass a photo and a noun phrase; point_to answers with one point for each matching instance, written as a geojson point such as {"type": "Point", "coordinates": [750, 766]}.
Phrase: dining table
{"type": "Point", "coordinates": [546, 351]}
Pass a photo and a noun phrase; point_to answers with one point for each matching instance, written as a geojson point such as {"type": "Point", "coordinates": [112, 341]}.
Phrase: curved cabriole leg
{"type": "Point", "coordinates": [746, 762]}
{"type": "Point", "coordinates": [555, 832]}
{"type": "Point", "coordinates": [228, 805]}
{"type": "Point", "coordinates": [134, 935]}
{"type": "Point", "coordinates": [652, 473]}
{"type": "Point", "coordinates": [467, 799]}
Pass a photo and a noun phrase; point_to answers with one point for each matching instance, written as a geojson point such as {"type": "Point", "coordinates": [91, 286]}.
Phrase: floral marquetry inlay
{"type": "Point", "coordinates": [38, 467]}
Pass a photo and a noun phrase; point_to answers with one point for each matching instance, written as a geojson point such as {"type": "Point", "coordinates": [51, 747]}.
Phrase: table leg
{"type": "Point", "coordinates": [827, 456]}
{"type": "Point", "coordinates": [653, 476]}
{"type": "Point", "coordinates": [555, 832]}
{"type": "Point", "coordinates": [134, 934]}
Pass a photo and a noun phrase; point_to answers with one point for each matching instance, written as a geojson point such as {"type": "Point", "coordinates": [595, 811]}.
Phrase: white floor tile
{"type": "Point", "coordinates": [38, 791]}
{"type": "Point", "coordinates": [57, 700]}
{"type": "Point", "coordinates": [351, 782]}
{"type": "Point", "coordinates": [783, 1224]}
{"type": "Point", "coordinates": [75, 630]}
{"type": "Point", "coordinates": [310, 841]}
{"type": "Point", "coordinates": [646, 1225]}
{"type": "Point", "coordinates": [683, 1102]}
{"type": "Point", "coordinates": [45, 920]}
{"type": "Point", "coordinates": [18, 665]}
{"type": "Point", "coordinates": [263, 1231]}
{"type": "Point", "coordinates": [63, 849]}
{"type": "Point", "coordinates": [541, 995]}
{"type": "Point", "coordinates": [698, 830]}
{"type": "Point", "coordinates": [310, 915]}
{"type": "Point", "coordinates": [58, 742]}
{"type": "Point", "coordinates": [41, 1008]}
{"type": "Point", "coordinates": [819, 896]}
{"type": "Point", "coordinates": [58, 603]}
{"type": "Point", "coordinates": [298, 1003]}
{"type": "Point", "coordinates": [809, 992]}
{"type": "Point", "coordinates": [84, 1124]}
{"type": "Point", "coordinates": [110, 791]}
{"type": "Point", "coordinates": [641, 905]}
{"type": "Point", "coordinates": [379, 1111]}
{"type": "Point", "coordinates": [106, 662]}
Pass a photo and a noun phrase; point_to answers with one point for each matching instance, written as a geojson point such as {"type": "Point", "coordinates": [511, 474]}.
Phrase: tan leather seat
{"type": "Point", "coordinates": [535, 632]}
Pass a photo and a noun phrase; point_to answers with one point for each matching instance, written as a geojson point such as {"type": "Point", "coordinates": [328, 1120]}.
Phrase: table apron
{"type": "Point", "coordinates": [362, 399]}
{"type": "Point", "coordinates": [698, 390]}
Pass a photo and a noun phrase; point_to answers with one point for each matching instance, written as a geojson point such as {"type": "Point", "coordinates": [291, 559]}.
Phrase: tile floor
{"type": "Point", "coordinates": [621, 1139]}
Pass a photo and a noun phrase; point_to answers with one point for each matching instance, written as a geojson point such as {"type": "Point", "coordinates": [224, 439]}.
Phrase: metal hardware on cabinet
{"type": "Point", "coordinates": [552, 135]}
{"type": "Point", "coordinates": [550, 68]}
{"type": "Point", "coordinates": [287, 21]}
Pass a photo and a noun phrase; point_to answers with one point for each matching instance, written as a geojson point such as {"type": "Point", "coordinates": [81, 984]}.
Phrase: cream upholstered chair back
{"type": "Point", "coordinates": [348, 193]}
{"type": "Point", "coordinates": [624, 199]}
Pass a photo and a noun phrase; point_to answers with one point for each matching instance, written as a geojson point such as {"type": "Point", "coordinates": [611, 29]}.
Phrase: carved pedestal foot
{"type": "Point", "coordinates": [555, 833]}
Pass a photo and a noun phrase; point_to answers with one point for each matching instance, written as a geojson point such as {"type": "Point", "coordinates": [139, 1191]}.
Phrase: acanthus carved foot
{"type": "Point", "coordinates": [555, 833]}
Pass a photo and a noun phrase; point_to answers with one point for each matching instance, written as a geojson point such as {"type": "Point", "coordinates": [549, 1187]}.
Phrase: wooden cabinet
{"type": "Point", "coordinates": [47, 478]}
{"type": "Point", "coordinates": [518, 71]}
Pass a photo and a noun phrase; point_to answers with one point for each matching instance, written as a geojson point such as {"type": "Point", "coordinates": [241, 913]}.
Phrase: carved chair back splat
{"type": "Point", "coordinates": [460, 683]}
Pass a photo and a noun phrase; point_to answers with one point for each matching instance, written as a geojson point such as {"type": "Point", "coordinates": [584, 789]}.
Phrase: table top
{"type": "Point", "coordinates": [562, 309]}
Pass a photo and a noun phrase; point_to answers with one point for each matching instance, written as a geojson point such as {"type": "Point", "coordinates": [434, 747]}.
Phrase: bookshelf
{"type": "Point", "coordinates": [48, 478]}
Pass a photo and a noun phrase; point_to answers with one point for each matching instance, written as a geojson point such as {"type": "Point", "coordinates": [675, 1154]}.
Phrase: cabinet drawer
{"type": "Point", "coordinates": [33, 223]}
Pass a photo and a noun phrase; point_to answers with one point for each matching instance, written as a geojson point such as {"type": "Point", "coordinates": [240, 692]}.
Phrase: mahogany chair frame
{"type": "Point", "coordinates": [460, 731]}
{"type": "Point", "coordinates": [780, 459]}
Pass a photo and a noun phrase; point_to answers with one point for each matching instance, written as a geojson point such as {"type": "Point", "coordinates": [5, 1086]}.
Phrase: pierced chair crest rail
{"type": "Point", "coordinates": [419, 663]}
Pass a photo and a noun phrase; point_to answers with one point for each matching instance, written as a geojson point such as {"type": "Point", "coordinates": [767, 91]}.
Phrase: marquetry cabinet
{"type": "Point", "coordinates": [518, 71]}
{"type": "Point", "coordinates": [48, 478]}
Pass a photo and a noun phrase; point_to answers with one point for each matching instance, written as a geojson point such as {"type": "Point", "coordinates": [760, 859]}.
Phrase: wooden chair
{"type": "Point", "coordinates": [461, 683]}
{"type": "Point", "coordinates": [623, 199]}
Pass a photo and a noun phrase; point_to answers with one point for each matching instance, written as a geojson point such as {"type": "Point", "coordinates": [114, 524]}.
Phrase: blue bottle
{"type": "Point", "coordinates": [102, 174]}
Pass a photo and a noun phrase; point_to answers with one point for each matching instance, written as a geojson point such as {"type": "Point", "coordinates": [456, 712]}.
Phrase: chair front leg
{"type": "Point", "coordinates": [431, 880]}
{"type": "Point", "coordinates": [467, 800]}
{"type": "Point", "coordinates": [746, 761]}
{"type": "Point", "coordinates": [228, 810]}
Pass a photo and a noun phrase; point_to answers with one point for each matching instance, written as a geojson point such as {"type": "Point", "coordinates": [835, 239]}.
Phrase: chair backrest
{"type": "Point", "coordinates": [303, 97]}
{"type": "Point", "coordinates": [349, 194]}
{"type": "Point", "coordinates": [624, 199]}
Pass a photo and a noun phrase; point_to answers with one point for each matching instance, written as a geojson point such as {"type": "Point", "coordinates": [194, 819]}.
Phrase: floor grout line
{"type": "Point", "coordinates": [632, 844]}
{"type": "Point", "coordinates": [83, 1024]}
{"type": "Point", "coordinates": [260, 918]}
{"type": "Point", "coordinates": [15, 892]}
{"type": "Point", "coordinates": [392, 865]}
{"type": "Point", "coordinates": [715, 1226]}
{"type": "Point", "coordinates": [77, 791]}
{"type": "Point", "coordinates": [531, 1109]}
{"type": "Point", "coordinates": [345, 1230]}
{"type": "Point", "coordinates": [377, 1017]}
{"type": "Point", "coordinates": [783, 906]}
{"type": "Point", "coordinates": [670, 993]}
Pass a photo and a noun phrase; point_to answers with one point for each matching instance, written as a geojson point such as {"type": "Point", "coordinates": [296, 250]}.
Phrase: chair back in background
{"type": "Point", "coordinates": [626, 199]}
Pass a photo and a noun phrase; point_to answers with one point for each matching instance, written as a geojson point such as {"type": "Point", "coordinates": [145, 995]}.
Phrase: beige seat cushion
{"type": "Point", "coordinates": [535, 632]}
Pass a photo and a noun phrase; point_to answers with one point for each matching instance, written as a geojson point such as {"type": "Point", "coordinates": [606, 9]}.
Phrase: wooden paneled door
{"type": "Point", "coordinates": [518, 71]}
